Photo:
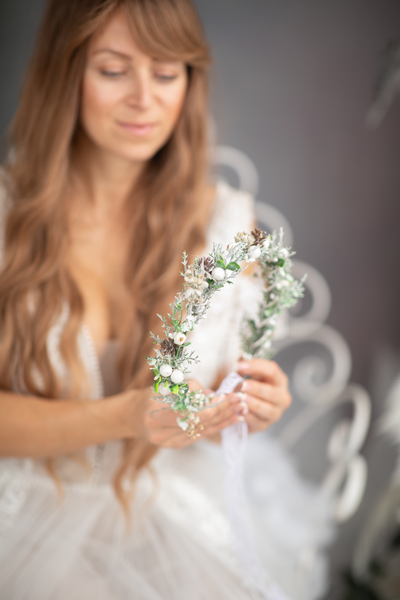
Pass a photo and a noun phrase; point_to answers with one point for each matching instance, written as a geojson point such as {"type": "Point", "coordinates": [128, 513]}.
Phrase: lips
{"type": "Point", "coordinates": [138, 129]}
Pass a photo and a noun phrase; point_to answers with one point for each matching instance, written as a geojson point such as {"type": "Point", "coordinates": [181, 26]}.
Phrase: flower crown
{"type": "Point", "coordinates": [206, 276]}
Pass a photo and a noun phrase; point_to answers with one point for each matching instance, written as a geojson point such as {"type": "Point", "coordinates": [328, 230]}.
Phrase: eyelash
{"type": "Point", "coordinates": [114, 74]}
{"type": "Point", "coordinates": [166, 78]}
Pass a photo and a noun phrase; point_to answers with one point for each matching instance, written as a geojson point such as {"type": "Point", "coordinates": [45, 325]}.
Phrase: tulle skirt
{"type": "Point", "coordinates": [177, 546]}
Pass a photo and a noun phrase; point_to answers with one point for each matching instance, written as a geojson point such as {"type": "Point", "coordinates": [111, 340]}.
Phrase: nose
{"type": "Point", "coordinates": [140, 95]}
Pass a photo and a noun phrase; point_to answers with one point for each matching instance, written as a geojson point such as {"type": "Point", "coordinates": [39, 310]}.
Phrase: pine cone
{"type": "Point", "coordinates": [259, 236]}
{"type": "Point", "coordinates": [208, 264]}
{"type": "Point", "coordinates": [168, 347]}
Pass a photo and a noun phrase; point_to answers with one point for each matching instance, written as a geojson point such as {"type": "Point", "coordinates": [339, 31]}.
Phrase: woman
{"type": "Point", "coordinates": [105, 189]}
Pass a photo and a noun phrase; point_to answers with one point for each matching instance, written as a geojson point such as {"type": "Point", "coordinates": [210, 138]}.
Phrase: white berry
{"type": "Point", "coordinates": [165, 370]}
{"type": "Point", "coordinates": [177, 376]}
{"type": "Point", "coordinates": [164, 391]}
{"type": "Point", "coordinates": [218, 274]}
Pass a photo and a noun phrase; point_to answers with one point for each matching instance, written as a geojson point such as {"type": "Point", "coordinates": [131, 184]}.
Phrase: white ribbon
{"type": "Point", "coordinates": [234, 441]}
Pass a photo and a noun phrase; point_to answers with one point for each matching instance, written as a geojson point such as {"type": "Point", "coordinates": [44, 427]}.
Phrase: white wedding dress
{"type": "Point", "coordinates": [76, 546]}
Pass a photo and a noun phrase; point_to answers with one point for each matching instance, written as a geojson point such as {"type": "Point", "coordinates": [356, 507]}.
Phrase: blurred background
{"type": "Point", "coordinates": [292, 83]}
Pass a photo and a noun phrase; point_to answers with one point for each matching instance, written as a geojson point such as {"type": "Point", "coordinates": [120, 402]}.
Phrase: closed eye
{"type": "Point", "coordinates": [165, 78]}
{"type": "Point", "coordinates": [112, 73]}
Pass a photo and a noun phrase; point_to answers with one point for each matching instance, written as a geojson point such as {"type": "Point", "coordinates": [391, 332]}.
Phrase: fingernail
{"type": "Point", "coordinates": [244, 407]}
{"type": "Point", "coordinates": [245, 386]}
{"type": "Point", "coordinates": [241, 419]}
{"type": "Point", "coordinates": [243, 365]}
{"type": "Point", "coordinates": [241, 409]}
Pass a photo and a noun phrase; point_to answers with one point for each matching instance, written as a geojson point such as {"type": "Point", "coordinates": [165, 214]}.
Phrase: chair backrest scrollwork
{"type": "Point", "coordinates": [320, 378]}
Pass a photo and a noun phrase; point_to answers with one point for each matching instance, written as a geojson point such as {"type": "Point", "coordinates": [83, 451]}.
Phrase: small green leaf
{"type": "Point", "coordinates": [231, 282]}
{"type": "Point", "coordinates": [155, 371]}
{"type": "Point", "coordinates": [221, 264]}
{"type": "Point", "coordinates": [281, 262]}
{"type": "Point", "coordinates": [175, 389]}
{"type": "Point", "coordinates": [156, 386]}
{"type": "Point", "coordinates": [233, 266]}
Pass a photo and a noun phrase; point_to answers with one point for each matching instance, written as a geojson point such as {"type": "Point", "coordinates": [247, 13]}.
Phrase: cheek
{"type": "Point", "coordinates": [98, 101]}
{"type": "Point", "coordinates": [173, 101]}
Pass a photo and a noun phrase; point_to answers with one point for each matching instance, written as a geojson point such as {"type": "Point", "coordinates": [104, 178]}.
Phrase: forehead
{"type": "Point", "coordinates": [115, 34]}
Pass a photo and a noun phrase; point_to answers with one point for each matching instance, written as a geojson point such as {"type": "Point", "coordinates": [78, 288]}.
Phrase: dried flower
{"type": "Point", "coordinates": [168, 347]}
{"type": "Point", "coordinates": [242, 236]}
{"type": "Point", "coordinates": [190, 294]}
{"type": "Point", "coordinates": [207, 263]}
{"type": "Point", "coordinates": [179, 338]}
{"type": "Point", "coordinates": [259, 237]}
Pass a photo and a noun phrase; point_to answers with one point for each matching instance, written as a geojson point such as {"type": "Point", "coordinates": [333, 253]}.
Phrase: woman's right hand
{"type": "Point", "coordinates": [159, 422]}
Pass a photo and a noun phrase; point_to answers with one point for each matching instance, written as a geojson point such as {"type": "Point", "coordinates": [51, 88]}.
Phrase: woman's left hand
{"type": "Point", "coordinates": [265, 396]}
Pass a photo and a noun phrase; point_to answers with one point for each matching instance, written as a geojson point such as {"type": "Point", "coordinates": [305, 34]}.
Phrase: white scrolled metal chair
{"type": "Point", "coordinates": [319, 379]}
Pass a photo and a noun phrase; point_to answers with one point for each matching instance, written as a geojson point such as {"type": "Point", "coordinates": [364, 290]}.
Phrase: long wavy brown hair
{"type": "Point", "coordinates": [167, 211]}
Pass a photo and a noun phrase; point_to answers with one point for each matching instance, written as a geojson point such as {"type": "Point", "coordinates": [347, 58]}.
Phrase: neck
{"type": "Point", "coordinates": [102, 177]}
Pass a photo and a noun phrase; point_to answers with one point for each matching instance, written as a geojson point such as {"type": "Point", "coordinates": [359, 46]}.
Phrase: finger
{"type": "Point", "coordinates": [254, 424]}
{"type": "Point", "coordinates": [212, 430]}
{"type": "Point", "coordinates": [216, 408]}
{"type": "Point", "coordinates": [278, 396]}
{"type": "Point", "coordinates": [162, 415]}
{"type": "Point", "coordinates": [264, 411]}
{"type": "Point", "coordinates": [263, 370]}
{"type": "Point", "coordinates": [165, 416]}
{"type": "Point", "coordinates": [263, 391]}
{"type": "Point", "coordinates": [164, 436]}
{"type": "Point", "coordinates": [178, 440]}
{"type": "Point", "coordinates": [232, 405]}
{"type": "Point", "coordinates": [168, 437]}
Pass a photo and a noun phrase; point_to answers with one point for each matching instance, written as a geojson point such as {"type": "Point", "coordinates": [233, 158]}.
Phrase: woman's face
{"type": "Point", "coordinates": [130, 101]}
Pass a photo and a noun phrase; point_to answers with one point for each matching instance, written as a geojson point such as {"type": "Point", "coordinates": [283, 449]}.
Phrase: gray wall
{"type": "Point", "coordinates": [291, 86]}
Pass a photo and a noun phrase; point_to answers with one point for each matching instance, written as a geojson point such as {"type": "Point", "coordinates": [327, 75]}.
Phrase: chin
{"type": "Point", "coordinates": [141, 153]}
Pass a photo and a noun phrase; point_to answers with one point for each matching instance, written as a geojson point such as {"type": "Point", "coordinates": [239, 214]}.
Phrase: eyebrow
{"type": "Point", "coordinates": [128, 57]}
{"type": "Point", "coordinates": [110, 51]}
